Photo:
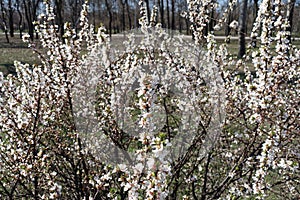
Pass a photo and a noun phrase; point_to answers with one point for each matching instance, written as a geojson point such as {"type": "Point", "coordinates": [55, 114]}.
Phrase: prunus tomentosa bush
{"type": "Point", "coordinates": [162, 118]}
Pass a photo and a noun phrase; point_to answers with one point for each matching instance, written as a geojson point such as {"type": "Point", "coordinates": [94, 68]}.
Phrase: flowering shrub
{"type": "Point", "coordinates": [162, 119]}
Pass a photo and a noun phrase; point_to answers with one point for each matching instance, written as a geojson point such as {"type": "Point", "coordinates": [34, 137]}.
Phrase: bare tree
{"type": "Point", "coordinates": [74, 7]}
{"type": "Point", "coordinates": [182, 23]}
{"type": "Point", "coordinates": [93, 6]}
{"type": "Point", "coordinates": [59, 8]}
{"type": "Point", "coordinates": [4, 20]}
{"type": "Point", "coordinates": [123, 21]}
{"type": "Point", "coordinates": [128, 14]}
{"type": "Point", "coordinates": [168, 14]}
{"type": "Point", "coordinates": [11, 18]}
{"type": "Point", "coordinates": [162, 13]}
{"type": "Point", "coordinates": [173, 2]}
{"type": "Point", "coordinates": [211, 22]}
{"type": "Point", "coordinates": [110, 15]}
{"type": "Point", "coordinates": [228, 20]}
{"type": "Point", "coordinates": [242, 29]}
{"type": "Point", "coordinates": [289, 16]}
{"type": "Point", "coordinates": [20, 14]}
{"type": "Point", "coordinates": [255, 10]}
{"type": "Point", "coordinates": [148, 9]}
{"type": "Point", "coordinates": [31, 8]}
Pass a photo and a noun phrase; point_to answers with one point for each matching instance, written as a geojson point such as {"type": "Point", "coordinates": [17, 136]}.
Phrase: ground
{"type": "Point", "coordinates": [18, 50]}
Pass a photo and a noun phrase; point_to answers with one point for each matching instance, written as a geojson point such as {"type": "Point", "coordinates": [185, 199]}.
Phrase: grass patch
{"type": "Point", "coordinates": [18, 50]}
{"type": "Point", "coordinates": [15, 50]}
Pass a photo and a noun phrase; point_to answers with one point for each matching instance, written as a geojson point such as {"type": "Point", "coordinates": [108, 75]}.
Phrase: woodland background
{"type": "Point", "coordinates": [17, 16]}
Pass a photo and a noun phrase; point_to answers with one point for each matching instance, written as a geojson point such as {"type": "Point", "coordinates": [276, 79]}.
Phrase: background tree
{"type": "Point", "coordinates": [4, 24]}
{"type": "Point", "coordinates": [242, 29]}
{"type": "Point", "coordinates": [11, 11]}
{"type": "Point", "coordinates": [125, 14]}
{"type": "Point", "coordinates": [173, 5]}
{"type": "Point", "coordinates": [73, 10]}
{"type": "Point", "coordinates": [31, 8]}
{"type": "Point", "coordinates": [19, 9]}
{"type": "Point", "coordinates": [168, 14]}
{"type": "Point", "coordinates": [162, 12]}
{"type": "Point", "coordinates": [129, 10]}
{"type": "Point", "coordinates": [148, 8]}
{"type": "Point", "coordinates": [59, 11]}
{"type": "Point", "coordinates": [290, 15]}
{"type": "Point", "coordinates": [109, 5]}
{"type": "Point", "coordinates": [122, 4]}
{"type": "Point", "coordinates": [255, 11]}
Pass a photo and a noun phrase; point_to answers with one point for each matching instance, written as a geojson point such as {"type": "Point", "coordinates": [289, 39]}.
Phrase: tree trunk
{"type": "Point", "coordinates": [108, 6]}
{"type": "Point", "coordinates": [136, 11]}
{"type": "Point", "coordinates": [34, 14]}
{"type": "Point", "coordinates": [29, 22]}
{"type": "Point", "coordinates": [211, 21]}
{"type": "Point", "coordinates": [255, 11]}
{"type": "Point", "coordinates": [162, 13]}
{"type": "Point", "coordinates": [11, 18]}
{"type": "Point", "coordinates": [128, 14]}
{"type": "Point", "coordinates": [123, 15]}
{"type": "Point", "coordinates": [187, 26]}
{"type": "Point", "coordinates": [31, 15]}
{"type": "Point", "coordinates": [168, 15]}
{"type": "Point", "coordinates": [94, 16]}
{"type": "Point", "coordinates": [4, 25]}
{"type": "Point", "coordinates": [180, 24]}
{"type": "Point", "coordinates": [75, 13]}
{"type": "Point", "coordinates": [289, 16]}
{"type": "Point", "coordinates": [148, 10]}
{"type": "Point", "coordinates": [205, 29]}
{"type": "Point", "coordinates": [20, 18]}
{"type": "Point", "coordinates": [242, 29]}
{"type": "Point", "coordinates": [227, 27]}
{"type": "Point", "coordinates": [60, 16]}
{"type": "Point", "coordinates": [173, 14]}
